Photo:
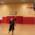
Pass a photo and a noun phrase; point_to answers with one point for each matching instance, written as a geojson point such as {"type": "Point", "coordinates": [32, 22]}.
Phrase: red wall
{"type": "Point", "coordinates": [28, 20]}
{"type": "Point", "coordinates": [19, 19]}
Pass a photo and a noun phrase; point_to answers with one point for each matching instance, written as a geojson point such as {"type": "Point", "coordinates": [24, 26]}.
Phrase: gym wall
{"type": "Point", "coordinates": [25, 14]}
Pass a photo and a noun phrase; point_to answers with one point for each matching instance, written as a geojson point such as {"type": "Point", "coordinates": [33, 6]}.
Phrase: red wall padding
{"type": "Point", "coordinates": [5, 20]}
{"type": "Point", "coordinates": [1, 21]}
{"type": "Point", "coordinates": [33, 20]}
{"type": "Point", "coordinates": [19, 19]}
{"type": "Point", "coordinates": [28, 20]}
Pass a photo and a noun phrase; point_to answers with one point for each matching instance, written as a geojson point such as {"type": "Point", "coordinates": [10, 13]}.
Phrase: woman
{"type": "Point", "coordinates": [12, 23]}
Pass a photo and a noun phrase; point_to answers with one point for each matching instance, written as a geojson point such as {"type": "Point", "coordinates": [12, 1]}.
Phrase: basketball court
{"type": "Point", "coordinates": [20, 29]}
{"type": "Point", "coordinates": [24, 10]}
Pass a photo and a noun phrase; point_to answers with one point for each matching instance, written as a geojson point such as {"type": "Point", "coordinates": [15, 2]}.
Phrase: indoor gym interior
{"type": "Point", "coordinates": [25, 15]}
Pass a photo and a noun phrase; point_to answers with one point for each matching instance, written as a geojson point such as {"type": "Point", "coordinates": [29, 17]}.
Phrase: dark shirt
{"type": "Point", "coordinates": [12, 22]}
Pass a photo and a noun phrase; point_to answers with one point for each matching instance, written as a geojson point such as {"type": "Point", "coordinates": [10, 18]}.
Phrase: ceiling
{"type": "Point", "coordinates": [15, 1]}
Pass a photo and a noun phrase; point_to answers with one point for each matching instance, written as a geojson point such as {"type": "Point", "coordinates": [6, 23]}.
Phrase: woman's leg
{"type": "Point", "coordinates": [12, 32]}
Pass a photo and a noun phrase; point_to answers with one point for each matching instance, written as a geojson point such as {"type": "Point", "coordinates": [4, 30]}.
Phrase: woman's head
{"type": "Point", "coordinates": [11, 19]}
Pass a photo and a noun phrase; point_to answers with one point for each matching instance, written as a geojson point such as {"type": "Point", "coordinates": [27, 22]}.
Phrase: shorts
{"type": "Point", "coordinates": [11, 28]}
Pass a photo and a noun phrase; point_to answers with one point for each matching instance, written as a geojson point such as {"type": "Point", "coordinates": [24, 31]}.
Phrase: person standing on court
{"type": "Point", "coordinates": [12, 24]}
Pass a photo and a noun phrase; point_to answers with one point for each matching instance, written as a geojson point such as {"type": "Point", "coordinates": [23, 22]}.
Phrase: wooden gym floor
{"type": "Point", "coordinates": [20, 29]}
